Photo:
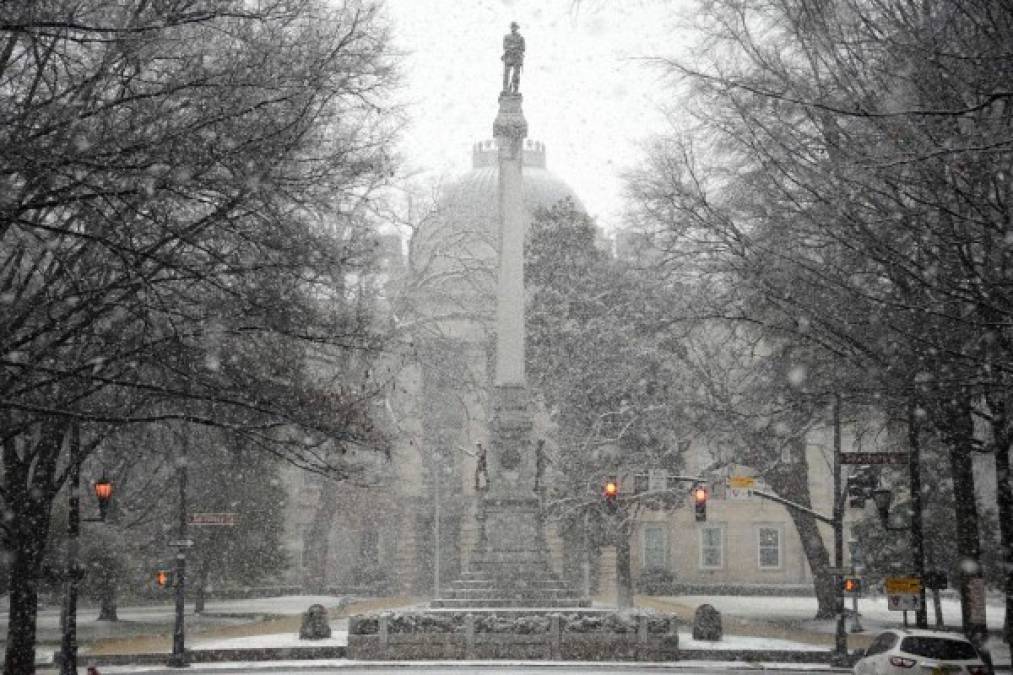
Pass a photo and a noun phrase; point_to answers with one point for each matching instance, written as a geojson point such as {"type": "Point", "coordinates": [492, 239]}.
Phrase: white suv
{"type": "Point", "coordinates": [921, 652]}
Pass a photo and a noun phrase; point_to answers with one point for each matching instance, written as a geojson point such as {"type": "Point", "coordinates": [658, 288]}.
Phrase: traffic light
{"type": "Point", "coordinates": [700, 501]}
{"type": "Point", "coordinates": [851, 585]}
{"type": "Point", "coordinates": [860, 486]}
{"type": "Point", "coordinates": [611, 494]}
{"type": "Point", "coordinates": [163, 578]}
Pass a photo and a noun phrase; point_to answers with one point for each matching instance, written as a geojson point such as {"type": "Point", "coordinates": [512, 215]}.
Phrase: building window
{"type": "Point", "coordinates": [769, 548]}
{"type": "Point", "coordinates": [655, 540]}
{"type": "Point", "coordinates": [640, 483]}
{"type": "Point", "coordinates": [711, 548]}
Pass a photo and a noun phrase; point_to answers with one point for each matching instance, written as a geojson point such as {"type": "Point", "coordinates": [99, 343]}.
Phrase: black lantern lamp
{"type": "Point", "coordinates": [104, 494]}
{"type": "Point", "coordinates": [883, 496]}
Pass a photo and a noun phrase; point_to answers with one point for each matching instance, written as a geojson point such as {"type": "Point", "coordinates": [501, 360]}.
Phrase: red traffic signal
{"type": "Point", "coordinates": [611, 492]}
{"type": "Point", "coordinates": [700, 502]}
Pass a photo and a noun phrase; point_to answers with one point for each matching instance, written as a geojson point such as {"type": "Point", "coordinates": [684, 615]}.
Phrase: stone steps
{"type": "Point", "coordinates": [483, 580]}
{"type": "Point", "coordinates": [484, 603]}
{"type": "Point", "coordinates": [486, 593]}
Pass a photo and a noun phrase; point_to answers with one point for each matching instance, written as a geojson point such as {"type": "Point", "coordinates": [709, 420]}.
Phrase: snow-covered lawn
{"type": "Point", "coordinates": [339, 638]}
{"type": "Point", "coordinates": [286, 605]}
{"type": "Point", "coordinates": [873, 611]}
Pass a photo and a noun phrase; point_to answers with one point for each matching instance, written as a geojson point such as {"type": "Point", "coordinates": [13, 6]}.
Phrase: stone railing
{"type": "Point", "coordinates": [518, 634]}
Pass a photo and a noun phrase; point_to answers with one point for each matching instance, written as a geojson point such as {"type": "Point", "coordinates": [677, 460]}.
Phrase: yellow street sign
{"type": "Point", "coordinates": [741, 482]}
{"type": "Point", "coordinates": [898, 585]}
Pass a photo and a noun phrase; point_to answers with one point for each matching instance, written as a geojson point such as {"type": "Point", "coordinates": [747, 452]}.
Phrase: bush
{"type": "Point", "coordinates": [656, 581]}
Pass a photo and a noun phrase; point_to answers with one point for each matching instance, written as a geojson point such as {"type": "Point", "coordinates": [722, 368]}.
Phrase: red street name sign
{"type": "Point", "coordinates": [211, 519]}
{"type": "Point", "coordinates": [874, 458]}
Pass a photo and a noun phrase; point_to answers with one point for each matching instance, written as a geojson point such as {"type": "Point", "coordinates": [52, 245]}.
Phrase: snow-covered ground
{"type": "Point", "coordinates": [164, 613]}
{"type": "Point", "coordinates": [873, 611]}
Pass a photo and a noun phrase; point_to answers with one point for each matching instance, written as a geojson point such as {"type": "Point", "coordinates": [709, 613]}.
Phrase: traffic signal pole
{"type": "Point", "coordinates": [917, 535]}
{"type": "Point", "coordinates": [178, 657]}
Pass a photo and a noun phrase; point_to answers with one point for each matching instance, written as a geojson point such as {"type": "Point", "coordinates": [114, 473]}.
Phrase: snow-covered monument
{"type": "Point", "coordinates": [414, 519]}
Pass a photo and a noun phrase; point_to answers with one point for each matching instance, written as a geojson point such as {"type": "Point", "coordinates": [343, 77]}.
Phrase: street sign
{"type": "Point", "coordinates": [740, 487]}
{"type": "Point", "coordinates": [212, 519]}
{"type": "Point", "coordinates": [902, 585]}
{"type": "Point", "coordinates": [181, 543]}
{"type": "Point", "coordinates": [839, 571]}
{"type": "Point", "coordinates": [903, 593]}
{"type": "Point", "coordinates": [874, 458]}
{"type": "Point", "coordinates": [903, 602]}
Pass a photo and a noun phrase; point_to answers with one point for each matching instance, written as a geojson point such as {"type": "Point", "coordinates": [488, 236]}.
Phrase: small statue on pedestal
{"type": "Point", "coordinates": [513, 60]}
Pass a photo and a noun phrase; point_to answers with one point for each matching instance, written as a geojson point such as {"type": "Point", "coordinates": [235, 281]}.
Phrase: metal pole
{"type": "Point", "coordinates": [586, 562]}
{"type": "Point", "coordinates": [68, 645]}
{"type": "Point", "coordinates": [841, 635]}
{"type": "Point", "coordinates": [856, 623]}
{"type": "Point", "coordinates": [178, 658]}
{"type": "Point", "coordinates": [436, 538]}
{"type": "Point", "coordinates": [917, 537]}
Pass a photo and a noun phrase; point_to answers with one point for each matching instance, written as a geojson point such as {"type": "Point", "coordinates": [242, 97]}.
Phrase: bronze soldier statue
{"type": "Point", "coordinates": [513, 60]}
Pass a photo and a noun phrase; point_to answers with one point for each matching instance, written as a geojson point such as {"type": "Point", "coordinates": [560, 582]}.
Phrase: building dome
{"type": "Point", "coordinates": [471, 199]}
{"type": "Point", "coordinates": [456, 251]}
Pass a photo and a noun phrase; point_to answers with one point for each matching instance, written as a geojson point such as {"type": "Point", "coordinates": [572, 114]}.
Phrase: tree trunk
{"type": "Point", "coordinates": [624, 576]}
{"type": "Point", "coordinates": [107, 602]}
{"type": "Point", "coordinates": [202, 583]}
{"type": "Point", "coordinates": [315, 543]}
{"type": "Point", "coordinates": [1004, 503]}
{"type": "Point", "coordinates": [959, 434]}
{"type": "Point", "coordinates": [792, 482]}
{"type": "Point", "coordinates": [24, 599]}
{"type": "Point", "coordinates": [28, 483]}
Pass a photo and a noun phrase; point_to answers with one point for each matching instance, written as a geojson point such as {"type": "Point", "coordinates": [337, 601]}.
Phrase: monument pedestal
{"type": "Point", "coordinates": [511, 564]}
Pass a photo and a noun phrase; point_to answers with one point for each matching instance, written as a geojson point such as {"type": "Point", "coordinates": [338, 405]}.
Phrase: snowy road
{"type": "Point", "coordinates": [346, 668]}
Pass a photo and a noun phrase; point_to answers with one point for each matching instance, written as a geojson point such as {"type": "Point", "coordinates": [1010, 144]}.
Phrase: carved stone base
{"type": "Point", "coordinates": [510, 565]}
{"type": "Point", "coordinates": [512, 466]}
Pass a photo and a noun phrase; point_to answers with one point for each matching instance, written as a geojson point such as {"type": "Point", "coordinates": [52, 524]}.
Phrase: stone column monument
{"type": "Point", "coordinates": [510, 564]}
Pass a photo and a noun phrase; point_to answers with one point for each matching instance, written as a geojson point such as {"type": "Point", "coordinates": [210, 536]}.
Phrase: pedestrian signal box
{"type": "Point", "coordinates": [851, 585]}
{"type": "Point", "coordinates": [163, 578]}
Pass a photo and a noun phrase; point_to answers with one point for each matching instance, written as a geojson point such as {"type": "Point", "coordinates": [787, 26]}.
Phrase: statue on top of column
{"type": "Point", "coordinates": [513, 60]}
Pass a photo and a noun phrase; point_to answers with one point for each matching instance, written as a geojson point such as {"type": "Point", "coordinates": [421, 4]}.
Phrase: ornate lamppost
{"type": "Point", "coordinates": [103, 489]}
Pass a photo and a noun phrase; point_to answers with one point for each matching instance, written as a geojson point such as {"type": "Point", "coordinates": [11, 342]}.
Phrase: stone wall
{"type": "Point", "coordinates": [515, 634]}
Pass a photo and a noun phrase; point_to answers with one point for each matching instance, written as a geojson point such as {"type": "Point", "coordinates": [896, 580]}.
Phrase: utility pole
{"type": "Point", "coordinates": [841, 635]}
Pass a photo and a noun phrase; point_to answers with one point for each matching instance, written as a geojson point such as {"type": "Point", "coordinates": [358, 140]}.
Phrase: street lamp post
{"type": "Point", "coordinates": [103, 493]}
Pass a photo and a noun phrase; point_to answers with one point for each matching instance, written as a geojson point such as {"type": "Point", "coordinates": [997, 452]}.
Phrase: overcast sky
{"type": "Point", "coordinates": [587, 94]}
